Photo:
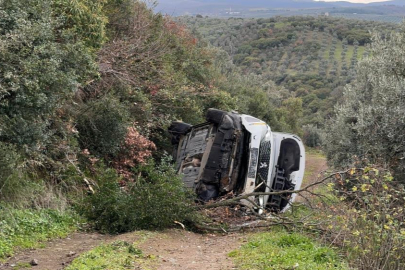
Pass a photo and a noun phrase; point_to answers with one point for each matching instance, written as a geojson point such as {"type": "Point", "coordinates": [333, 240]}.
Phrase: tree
{"type": "Point", "coordinates": [370, 122]}
{"type": "Point", "coordinates": [46, 53]}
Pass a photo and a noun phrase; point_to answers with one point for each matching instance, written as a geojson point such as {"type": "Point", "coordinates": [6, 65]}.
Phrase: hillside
{"type": "Point", "coordinates": [387, 11]}
{"type": "Point", "coordinates": [312, 57]}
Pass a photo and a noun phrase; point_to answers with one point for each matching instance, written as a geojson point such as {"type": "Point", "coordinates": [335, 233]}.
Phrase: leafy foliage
{"type": "Point", "coordinates": [136, 150]}
{"type": "Point", "coordinates": [41, 66]}
{"type": "Point", "coordinates": [367, 220]}
{"type": "Point", "coordinates": [8, 162]}
{"type": "Point", "coordinates": [103, 126]}
{"type": "Point", "coordinates": [155, 200]}
{"type": "Point", "coordinates": [369, 122]}
{"type": "Point", "coordinates": [312, 136]}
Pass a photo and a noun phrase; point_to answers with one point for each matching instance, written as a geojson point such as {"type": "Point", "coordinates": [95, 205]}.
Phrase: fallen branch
{"type": "Point", "coordinates": [237, 200]}
{"type": "Point", "coordinates": [86, 181]}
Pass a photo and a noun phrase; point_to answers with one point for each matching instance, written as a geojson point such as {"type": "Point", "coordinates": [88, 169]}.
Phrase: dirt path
{"type": "Point", "coordinates": [314, 164]}
{"type": "Point", "coordinates": [178, 249]}
{"type": "Point", "coordinates": [57, 253]}
{"type": "Point", "coordinates": [174, 249]}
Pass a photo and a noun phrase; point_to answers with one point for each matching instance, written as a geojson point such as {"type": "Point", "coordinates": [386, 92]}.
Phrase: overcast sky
{"type": "Point", "coordinates": [355, 1]}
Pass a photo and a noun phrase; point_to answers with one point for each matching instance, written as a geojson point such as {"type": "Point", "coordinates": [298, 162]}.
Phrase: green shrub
{"type": "Point", "coordinates": [103, 126]}
{"type": "Point", "coordinates": [42, 65]}
{"type": "Point", "coordinates": [154, 201]}
{"type": "Point", "coordinates": [8, 162]}
{"type": "Point", "coordinates": [19, 189]}
{"type": "Point", "coordinates": [369, 123]}
{"type": "Point", "coordinates": [312, 136]}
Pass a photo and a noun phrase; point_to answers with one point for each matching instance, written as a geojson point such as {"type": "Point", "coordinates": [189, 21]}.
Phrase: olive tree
{"type": "Point", "coordinates": [370, 122]}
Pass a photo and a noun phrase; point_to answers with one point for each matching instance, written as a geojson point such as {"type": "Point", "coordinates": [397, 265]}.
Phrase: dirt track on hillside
{"type": "Point", "coordinates": [314, 165]}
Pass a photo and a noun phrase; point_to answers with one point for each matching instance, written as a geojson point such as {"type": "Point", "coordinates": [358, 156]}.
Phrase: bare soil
{"type": "Point", "coordinates": [174, 249]}
{"type": "Point", "coordinates": [179, 249]}
{"type": "Point", "coordinates": [314, 165]}
{"type": "Point", "coordinates": [58, 253]}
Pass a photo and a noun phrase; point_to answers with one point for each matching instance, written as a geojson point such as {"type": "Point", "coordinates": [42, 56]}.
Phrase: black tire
{"type": "Point", "coordinates": [215, 116]}
{"type": "Point", "coordinates": [179, 128]}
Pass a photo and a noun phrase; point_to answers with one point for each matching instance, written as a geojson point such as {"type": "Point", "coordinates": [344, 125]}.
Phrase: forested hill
{"type": "Point", "coordinates": [312, 57]}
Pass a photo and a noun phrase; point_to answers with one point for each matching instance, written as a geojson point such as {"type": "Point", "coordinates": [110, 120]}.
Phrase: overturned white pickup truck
{"type": "Point", "coordinates": [238, 153]}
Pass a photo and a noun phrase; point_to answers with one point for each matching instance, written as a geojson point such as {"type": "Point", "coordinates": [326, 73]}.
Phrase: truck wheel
{"type": "Point", "coordinates": [179, 128]}
{"type": "Point", "coordinates": [215, 116]}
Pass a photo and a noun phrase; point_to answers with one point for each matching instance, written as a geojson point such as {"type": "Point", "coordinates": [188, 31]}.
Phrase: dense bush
{"type": "Point", "coordinates": [155, 200]}
{"type": "Point", "coordinates": [9, 161]}
{"type": "Point", "coordinates": [42, 62]}
{"type": "Point", "coordinates": [368, 219]}
{"type": "Point", "coordinates": [17, 189]}
{"type": "Point", "coordinates": [103, 126]}
{"type": "Point", "coordinates": [312, 136]}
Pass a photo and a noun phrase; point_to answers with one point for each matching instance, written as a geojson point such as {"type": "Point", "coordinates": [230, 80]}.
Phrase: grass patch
{"type": "Point", "coordinates": [118, 255]}
{"type": "Point", "coordinates": [28, 228]}
{"type": "Point", "coordinates": [360, 52]}
{"type": "Point", "coordinates": [338, 51]}
{"type": "Point", "coordinates": [279, 249]}
{"type": "Point", "coordinates": [22, 265]}
{"type": "Point", "coordinates": [349, 54]}
{"type": "Point", "coordinates": [314, 152]}
{"type": "Point", "coordinates": [279, 25]}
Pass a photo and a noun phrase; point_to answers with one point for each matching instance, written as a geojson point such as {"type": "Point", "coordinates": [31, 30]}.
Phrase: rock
{"type": "Point", "coordinates": [71, 254]}
{"type": "Point", "coordinates": [34, 262]}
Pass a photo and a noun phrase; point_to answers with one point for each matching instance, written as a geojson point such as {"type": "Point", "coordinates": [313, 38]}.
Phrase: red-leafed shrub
{"type": "Point", "coordinates": [135, 150]}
